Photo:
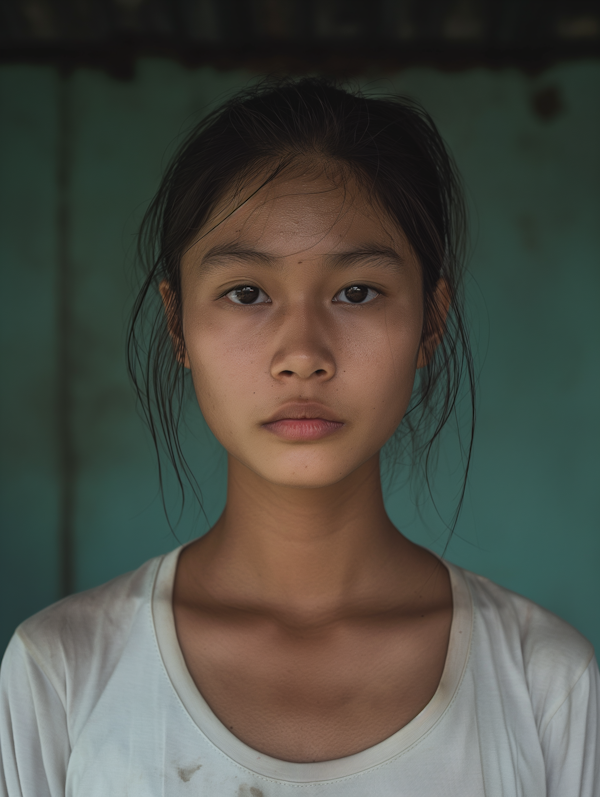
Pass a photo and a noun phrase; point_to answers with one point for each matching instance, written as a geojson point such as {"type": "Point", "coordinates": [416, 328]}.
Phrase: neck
{"type": "Point", "coordinates": [306, 551]}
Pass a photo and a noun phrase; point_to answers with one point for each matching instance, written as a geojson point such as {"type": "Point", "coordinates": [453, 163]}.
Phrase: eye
{"type": "Point", "coordinates": [247, 294]}
{"type": "Point", "coordinates": [356, 294]}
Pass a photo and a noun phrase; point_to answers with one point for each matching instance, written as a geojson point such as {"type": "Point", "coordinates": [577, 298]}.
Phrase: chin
{"type": "Point", "coordinates": [307, 475]}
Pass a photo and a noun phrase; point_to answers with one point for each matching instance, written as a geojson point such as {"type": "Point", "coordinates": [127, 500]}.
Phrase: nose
{"type": "Point", "coordinates": [302, 347]}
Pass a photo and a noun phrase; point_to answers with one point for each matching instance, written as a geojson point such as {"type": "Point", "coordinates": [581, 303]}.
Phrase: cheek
{"type": "Point", "coordinates": [384, 364]}
{"type": "Point", "coordinates": [225, 372]}
{"type": "Point", "coordinates": [387, 348]}
{"type": "Point", "coordinates": [384, 375]}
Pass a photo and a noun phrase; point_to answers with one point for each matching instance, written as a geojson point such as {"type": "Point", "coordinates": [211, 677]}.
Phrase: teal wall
{"type": "Point", "coordinates": [80, 156]}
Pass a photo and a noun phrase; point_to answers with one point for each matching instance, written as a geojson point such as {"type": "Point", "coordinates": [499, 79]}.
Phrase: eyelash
{"type": "Point", "coordinates": [251, 304]}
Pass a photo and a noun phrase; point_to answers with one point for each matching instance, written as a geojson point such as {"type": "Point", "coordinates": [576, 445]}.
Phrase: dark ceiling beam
{"type": "Point", "coordinates": [332, 35]}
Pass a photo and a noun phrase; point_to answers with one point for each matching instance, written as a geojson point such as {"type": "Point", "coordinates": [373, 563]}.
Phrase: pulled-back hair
{"type": "Point", "coordinates": [394, 151]}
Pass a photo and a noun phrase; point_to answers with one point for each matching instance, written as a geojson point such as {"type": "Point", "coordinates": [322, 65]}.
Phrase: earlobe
{"type": "Point", "coordinates": [437, 325]}
{"type": "Point", "coordinates": [174, 324]}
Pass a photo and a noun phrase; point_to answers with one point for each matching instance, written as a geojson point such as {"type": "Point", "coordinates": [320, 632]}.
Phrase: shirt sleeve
{"type": "Point", "coordinates": [34, 739]}
{"type": "Point", "coordinates": [571, 740]}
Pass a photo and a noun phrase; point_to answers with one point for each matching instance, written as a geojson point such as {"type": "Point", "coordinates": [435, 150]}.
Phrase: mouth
{"type": "Point", "coordinates": [308, 421]}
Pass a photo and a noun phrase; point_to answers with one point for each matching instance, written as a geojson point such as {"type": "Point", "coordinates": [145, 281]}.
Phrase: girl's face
{"type": "Point", "coordinates": [304, 303]}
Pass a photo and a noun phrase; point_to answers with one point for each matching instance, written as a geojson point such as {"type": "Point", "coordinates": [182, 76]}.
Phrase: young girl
{"type": "Point", "coordinates": [306, 246]}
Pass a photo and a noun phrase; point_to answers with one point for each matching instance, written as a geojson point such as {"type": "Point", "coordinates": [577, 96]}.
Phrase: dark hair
{"type": "Point", "coordinates": [394, 150]}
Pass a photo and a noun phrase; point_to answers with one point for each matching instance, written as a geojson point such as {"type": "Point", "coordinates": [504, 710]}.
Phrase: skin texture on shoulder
{"type": "Point", "coordinates": [312, 627]}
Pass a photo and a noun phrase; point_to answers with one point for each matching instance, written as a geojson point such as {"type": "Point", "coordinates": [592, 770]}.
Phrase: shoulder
{"type": "Point", "coordinates": [537, 631]}
{"type": "Point", "coordinates": [528, 641]}
{"type": "Point", "coordinates": [85, 633]}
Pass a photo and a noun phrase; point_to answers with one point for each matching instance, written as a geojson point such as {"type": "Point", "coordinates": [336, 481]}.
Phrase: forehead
{"type": "Point", "coordinates": [311, 213]}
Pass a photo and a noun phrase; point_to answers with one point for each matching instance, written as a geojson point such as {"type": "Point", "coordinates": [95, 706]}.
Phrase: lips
{"type": "Point", "coordinates": [303, 411]}
{"type": "Point", "coordinates": [303, 422]}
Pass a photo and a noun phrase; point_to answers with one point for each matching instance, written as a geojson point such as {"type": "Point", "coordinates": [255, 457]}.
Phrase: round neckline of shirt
{"type": "Point", "coordinates": [290, 771]}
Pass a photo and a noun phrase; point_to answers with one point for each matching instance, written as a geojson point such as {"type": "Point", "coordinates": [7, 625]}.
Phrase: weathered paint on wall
{"type": "Point", "coordinates": [527, 147]}
{"type": "Point", "coordinates": [30, 477]}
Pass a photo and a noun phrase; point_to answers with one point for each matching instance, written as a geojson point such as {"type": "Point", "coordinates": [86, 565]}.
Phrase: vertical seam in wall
{"type": "Point", "coordinates": [66, 453]}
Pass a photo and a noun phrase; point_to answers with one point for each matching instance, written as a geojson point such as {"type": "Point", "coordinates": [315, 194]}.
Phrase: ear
{"type": "Point", "coordinates": [174, 323]}
{"type": "Point", "coordinates": [433, 338]}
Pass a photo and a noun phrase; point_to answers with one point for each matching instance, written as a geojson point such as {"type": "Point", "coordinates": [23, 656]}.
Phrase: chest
{"type": "Point", "coordinates": [314, 694]}
{"type": "Point", "coordinates": [138, 740]}
{"type": "Point", "coordinates": [468, 752]}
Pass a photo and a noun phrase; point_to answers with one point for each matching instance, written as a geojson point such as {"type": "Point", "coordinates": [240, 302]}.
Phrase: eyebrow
{"type": "Point", "coordinates": [221, 255]}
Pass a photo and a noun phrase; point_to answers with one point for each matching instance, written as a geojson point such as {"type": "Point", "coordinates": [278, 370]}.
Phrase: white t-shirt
{"type": "Point", "coordinates": [96, 701]}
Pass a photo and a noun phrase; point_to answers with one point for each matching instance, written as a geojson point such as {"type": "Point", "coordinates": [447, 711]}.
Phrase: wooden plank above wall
{"type": "Point", "coordinates": [336, 35]}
